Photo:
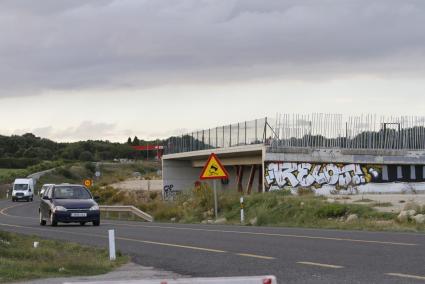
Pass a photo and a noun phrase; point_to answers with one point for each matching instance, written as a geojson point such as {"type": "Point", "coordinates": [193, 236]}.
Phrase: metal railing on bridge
{"type": "Point", "coordinates": [237, 134]}
{"type": "Point", "coordinates": [316, 130]}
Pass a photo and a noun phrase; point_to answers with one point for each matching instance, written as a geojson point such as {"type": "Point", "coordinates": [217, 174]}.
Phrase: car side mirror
{"type": "Point", "coordinates": [96, 198]}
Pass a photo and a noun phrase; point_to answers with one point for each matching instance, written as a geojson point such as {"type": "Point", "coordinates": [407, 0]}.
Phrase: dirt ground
{"type": "Point", "coordinates": [139, 184]}
{"type": "Point", "coordinates": [384, 202]}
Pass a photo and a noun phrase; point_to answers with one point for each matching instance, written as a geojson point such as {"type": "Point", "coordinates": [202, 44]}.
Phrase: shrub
{"type": "Point", "coordinates": [90, 167]}
{"type": "Point", "coordinates": [333, 210]}
{"type": "Point", "coordinates": [86, 156]}
{"type": "Point", "coordinates": [65, 172]}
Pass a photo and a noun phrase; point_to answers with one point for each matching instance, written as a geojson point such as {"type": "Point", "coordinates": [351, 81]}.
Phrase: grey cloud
{"type": "Point", "coordinates": [49, 44]}
{"type": "Point", "coordinates": [83, 131]}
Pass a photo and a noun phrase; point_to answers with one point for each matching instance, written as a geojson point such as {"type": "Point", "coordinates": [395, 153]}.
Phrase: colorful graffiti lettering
{"type": "Point", "coordinates": [291, 175]}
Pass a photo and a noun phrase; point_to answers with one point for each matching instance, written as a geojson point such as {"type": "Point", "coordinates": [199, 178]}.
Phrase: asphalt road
{"type": "Point", "coordinates": [293, 255]}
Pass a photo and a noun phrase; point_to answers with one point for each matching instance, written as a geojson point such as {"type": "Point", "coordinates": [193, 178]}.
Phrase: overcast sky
{"type": "Point", "coordinates": [110, 69]}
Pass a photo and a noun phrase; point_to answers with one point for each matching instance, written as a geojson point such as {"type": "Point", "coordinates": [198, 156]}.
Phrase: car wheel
{"type": "Point", "coordinates": [82, 223]}
{"type": "Point", "coordinates": [96, 223]}
{"type": "Point", "coordinates": [42, 222]}
{"type": "Point", "coordinates": [53, 221]}
{"type": "Point", "coordinates": [32, 198]}
{"type": "Point", "coordinates": [13, 199]}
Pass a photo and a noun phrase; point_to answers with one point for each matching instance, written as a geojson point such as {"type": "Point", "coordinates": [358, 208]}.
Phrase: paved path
{"type": "Point", "coordinates": [294, 255]}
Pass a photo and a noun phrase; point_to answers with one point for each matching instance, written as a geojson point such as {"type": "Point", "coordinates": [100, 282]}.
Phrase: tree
{"type": "Point", "coordinates": [136, 141]}
{"type": "Point", "coordinates": [129, 140]}
{"type": "Point", "coordinates": [86, 156]}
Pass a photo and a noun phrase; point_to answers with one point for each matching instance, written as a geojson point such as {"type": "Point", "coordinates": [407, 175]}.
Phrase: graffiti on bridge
{"type": "Point", "coordinates": [279, 175]}
{"type": "Point", "coordinates": [169, 192]}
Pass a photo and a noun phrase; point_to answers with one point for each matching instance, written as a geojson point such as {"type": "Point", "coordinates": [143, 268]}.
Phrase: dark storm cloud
{"type": "Point", "coordinates": [66, 45]}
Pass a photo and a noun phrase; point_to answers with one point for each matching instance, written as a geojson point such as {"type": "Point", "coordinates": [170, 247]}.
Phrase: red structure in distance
{"type": "Point", "coordinates": [159, 149]}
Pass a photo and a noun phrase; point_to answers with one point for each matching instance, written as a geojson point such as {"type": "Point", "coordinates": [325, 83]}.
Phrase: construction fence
{"type": "Point", "coordinates": [315, 130]}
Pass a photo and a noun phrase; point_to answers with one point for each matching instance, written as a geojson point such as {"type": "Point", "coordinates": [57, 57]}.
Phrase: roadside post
{"type": "Point", "coordinates": [112, 255]}
{"type": "Point", "coordinates": [214, 170]}
{"type": "Point", "coordinates": [242, 210]}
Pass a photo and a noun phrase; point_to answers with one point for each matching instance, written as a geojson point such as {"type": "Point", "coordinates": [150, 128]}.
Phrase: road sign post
{"type": "Point", "coordinates": [214, 170]}
{"type": "Point", "coordinates": [215, 199]}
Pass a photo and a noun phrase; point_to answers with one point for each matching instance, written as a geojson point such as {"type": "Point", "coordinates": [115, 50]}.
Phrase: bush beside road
{"type": "Point", "coordinates": [19, 260]}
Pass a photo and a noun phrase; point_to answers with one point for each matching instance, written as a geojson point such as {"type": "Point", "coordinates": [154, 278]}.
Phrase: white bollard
{"type": "Point", "coordinates": [242, 211]}
{"type": "Point", "coordinates": [36, 244]}
{"type": "Point", "coordinates": [112, 255]}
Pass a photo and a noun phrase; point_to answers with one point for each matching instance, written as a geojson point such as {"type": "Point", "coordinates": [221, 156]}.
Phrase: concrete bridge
{"type": "Point", "coordinates": [352, 157]}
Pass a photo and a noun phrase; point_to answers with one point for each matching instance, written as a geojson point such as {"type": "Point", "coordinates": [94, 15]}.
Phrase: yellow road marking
{"type": "Point", "coordinates": [320, 264]}
{"type": "Point", "coordinates": [407, 276]}
{"type": "Point", "coordinates": [119, 238]}
{"type": "Point", "coordinates": [256, 256]}
{"type": "Point", "coordinates": [269, 234]}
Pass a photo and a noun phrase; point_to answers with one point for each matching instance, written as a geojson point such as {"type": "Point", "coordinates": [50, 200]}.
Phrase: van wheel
{"type": "Point", "coordinates": [53, 221]}
{"type": "Point", "coordinates": [82, 223]}
{"type": "Point", "coordinates": [96, 223]}
{"type": "Point", "coordinates": [42, 222]}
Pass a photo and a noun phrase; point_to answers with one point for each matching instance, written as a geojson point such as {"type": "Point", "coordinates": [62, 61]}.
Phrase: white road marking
{"type": "Point", "coordinates": [256, 256]}
{"type": "Point", "coordinates": [3, 212]}
{"type": "Point", "coordinates": [268, 234]}
{"type": "Point", "coordinates": [401, 275]}
{"type": "Point", "coordinates": [320, 264]}
{"type": "Point", "coordinates": [118, 238]}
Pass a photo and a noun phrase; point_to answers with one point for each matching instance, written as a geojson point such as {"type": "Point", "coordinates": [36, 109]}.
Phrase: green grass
{"type": "Point", "coordinates": [19, 260]}
{"type": "Point", "coordinates": [382, 204]}
{"type": "Point", "coordinates": [8, 175]}
{"type": "Point", "coordinates": [269, 209]}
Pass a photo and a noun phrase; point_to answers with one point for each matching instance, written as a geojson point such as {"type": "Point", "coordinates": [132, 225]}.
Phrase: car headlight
{"type": "Point", "coordinates": [94, 208]}
{"type": "Point", "coordinates": [59, 208]}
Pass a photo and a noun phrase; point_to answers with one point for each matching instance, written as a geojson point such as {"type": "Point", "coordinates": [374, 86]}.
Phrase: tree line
{"type": "Point", "coordinates": [21, 151]}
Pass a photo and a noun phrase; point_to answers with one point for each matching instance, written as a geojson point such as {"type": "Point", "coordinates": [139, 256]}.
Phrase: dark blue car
{"type": "Point", "coordinates": [67, 203]}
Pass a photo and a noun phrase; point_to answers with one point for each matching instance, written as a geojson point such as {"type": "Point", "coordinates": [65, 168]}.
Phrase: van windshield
{"type": "Point", "coordinates": [21, 187]}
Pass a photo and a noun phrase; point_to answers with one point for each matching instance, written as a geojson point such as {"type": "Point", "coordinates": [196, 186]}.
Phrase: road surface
{"type": "Point", "coordinates": [294, 255]}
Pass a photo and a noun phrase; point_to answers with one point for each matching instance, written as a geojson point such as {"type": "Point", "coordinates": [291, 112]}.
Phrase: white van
{"type": "Point", "coordinates": [23, 189]}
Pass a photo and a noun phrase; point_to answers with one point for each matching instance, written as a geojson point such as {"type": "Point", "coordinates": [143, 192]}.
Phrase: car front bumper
{"type": "Point", "coordinates": [66, 216]}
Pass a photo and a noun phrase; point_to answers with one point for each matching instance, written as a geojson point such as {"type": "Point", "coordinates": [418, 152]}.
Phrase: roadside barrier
{"type": "Point", "coordinates": [121, 208]}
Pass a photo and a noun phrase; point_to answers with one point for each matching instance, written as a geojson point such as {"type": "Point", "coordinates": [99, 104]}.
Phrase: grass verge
{"type": "Point", "coordinates": [270, 209]}
{"type": "Point", "coordinates": [19, 260]}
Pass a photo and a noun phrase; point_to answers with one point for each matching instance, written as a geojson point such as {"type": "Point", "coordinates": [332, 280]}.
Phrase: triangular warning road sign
{"type": "Point", "coordinates": [213, 169]}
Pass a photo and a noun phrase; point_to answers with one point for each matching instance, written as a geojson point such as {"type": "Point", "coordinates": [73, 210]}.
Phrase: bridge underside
{"type": "Point", "coordinates": [244, 165]}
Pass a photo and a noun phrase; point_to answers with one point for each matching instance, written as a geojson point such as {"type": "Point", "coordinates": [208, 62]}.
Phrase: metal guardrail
{"type": "Point", "coordinates": [121, 208]}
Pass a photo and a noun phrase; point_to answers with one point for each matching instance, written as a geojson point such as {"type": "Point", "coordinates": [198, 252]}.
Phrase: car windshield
{"type": "Point", "coordinates": [71, 192]}
{"type": "Point", "coordinates": [21, 187]}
